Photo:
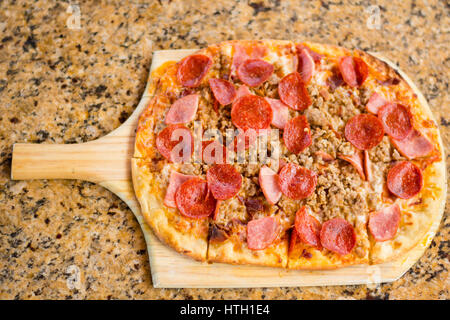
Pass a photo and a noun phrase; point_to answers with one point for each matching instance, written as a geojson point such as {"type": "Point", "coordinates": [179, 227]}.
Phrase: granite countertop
{"type": "Point", "coordinates": [66, 82]}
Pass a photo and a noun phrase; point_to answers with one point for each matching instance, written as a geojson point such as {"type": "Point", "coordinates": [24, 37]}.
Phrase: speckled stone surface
{"type": "Point", "coordinates": [63, 84]}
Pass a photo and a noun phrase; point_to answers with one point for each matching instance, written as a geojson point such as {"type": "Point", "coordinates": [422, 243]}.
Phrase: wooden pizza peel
{"type": "Point", "coordinates": [107, 162]}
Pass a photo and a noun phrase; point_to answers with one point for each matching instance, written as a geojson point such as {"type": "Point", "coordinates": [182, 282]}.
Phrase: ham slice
{"type": "Point", "coordinates": [217, 210]}
{"type": "Point", "coordinates": [316, 56]}
{"type": "Point", "coordinates": [240, 55]}
{"type": "Point", "coordinates": [281, 164]}
{"type": "Point", "coordinates": [261, 233]}
{"type": "Point", "coordinates": [348, 72]}
{"type": "Point", "coordinates": [415, 145]}
{"type": "Point", "coordinates": [280, 112]}
{"type": "Point", "coordinates": [376, 101]}
{"type": "Point", "coordinates": [326, 157]}
{"type": "Point", "coordinates": [176, 179]}
{"type": "Point", "coordinates": [242, 91]}
{"type": "Point", "coordinates": [183, 110]}
{"type": "Point", "coordinates": [306, 65]}
{"type": "Point", "coordinates": [268, 180]}
{"type": "Point", "coordinates": [383, 224]}
{"type": "Point", "coordinates": [367, 166]}
{"type": "Point", "coordinates": [356, 160]}
{"type": "Point", "coordinates": [307, 227]}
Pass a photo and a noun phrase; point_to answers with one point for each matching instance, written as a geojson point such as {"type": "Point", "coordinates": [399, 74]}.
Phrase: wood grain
{"type": "Point", "coordinates": [106, 161]}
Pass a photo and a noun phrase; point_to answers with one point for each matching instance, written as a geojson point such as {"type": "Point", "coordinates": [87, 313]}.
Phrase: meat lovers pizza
{"type": "Point", "coordinates": [288, 154]}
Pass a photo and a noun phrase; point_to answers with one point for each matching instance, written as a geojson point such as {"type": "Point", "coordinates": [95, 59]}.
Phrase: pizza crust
{"type": "Point", "coordinates": [230, 252]}
{"type": "Point", "coordinates": [193, 241]}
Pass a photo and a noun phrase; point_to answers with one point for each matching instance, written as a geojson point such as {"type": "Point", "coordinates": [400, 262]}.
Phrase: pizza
{"type": "Point", "coordinates": [287, 154]}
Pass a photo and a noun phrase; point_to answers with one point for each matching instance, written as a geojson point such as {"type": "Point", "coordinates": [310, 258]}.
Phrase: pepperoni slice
{"type": "Point", "coordinates": [297, 182]}
{"type": "Point", "coordinates": [383, 224]}
{"type": "Point", "coordinates": [405, 180]}
{"type": "Point", "coordinates": [223, 90]}
{"type": "Point", "coordinates": [213, 152]}
{"type": "Point", "coordinates": [338, 235]}
{"type": "Point", "coordinates": [224, 181]}
{"type": "Point", "coordinates": [376, 101]}
{"type": "Point", "coordinates": [251, 112]}
{"type": "Point", "coordinates": [175, 181]}
{"type": "Point", "coordinates": [396, 120]}
{"type": "Point", "coordinates": [354, 70]}
{"type": "Point", "coordinates": [364, 131]}
{"type": "Point", "coordinates": [175, 143]}
{"type": "Point", "coordinates": [194, 200]}
{"type": "Point", "coordinates": [183, 110]}
{"type": "Point", "coordinates": [240, 55]}
{"type": "Point", "coordinates": [307, 227]}
{"type": "Point", "coordinates": [306, 65]}
{"type": "Point", "coordinates": [292, 241]}
{"type": "Point", "coordinates": [254, 72]}
{"type": "Point", "coordinates": [192, 69]}
{"type": "Point", "coordinates": [216, 106]}
{"type": "Point", "coordinates": [297, 134]}
{"type": "Point", "coordinates": [362, 70]}
{"type": "Point", "coordinates": [293, 92]}
{"type": "Point", "coordinates": [261, 233]}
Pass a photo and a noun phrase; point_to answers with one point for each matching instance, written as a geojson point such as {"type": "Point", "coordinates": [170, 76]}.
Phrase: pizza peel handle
{"type": "Point", "coordinates": [107, 158]}
{"type": "Point", "coordinates": [55, 161]}
{"type": "Point", "coordinates": [101, 161]}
